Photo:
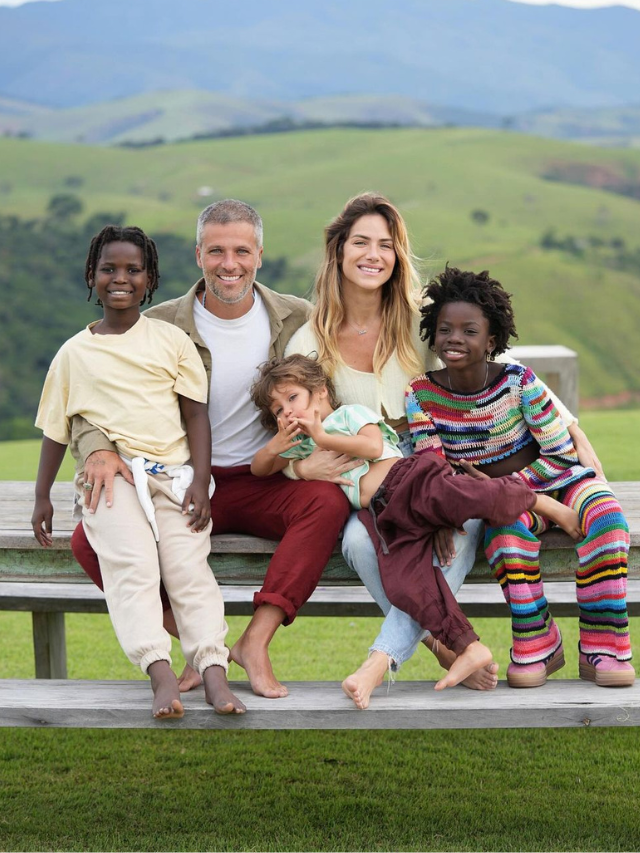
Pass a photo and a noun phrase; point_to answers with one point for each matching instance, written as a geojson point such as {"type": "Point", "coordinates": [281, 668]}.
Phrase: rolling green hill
{"type": "Point", "coordinates": [587, 298]}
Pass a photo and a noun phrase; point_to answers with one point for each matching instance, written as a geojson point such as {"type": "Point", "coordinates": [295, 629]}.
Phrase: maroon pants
{"type": "Point", "coordinates": [419, 495]}
{"type": "Point", "coordinates": [306, 516]}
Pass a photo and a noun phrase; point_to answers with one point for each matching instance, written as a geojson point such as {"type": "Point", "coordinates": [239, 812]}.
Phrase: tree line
{"type": "Point", "coordinates": [44, 296]}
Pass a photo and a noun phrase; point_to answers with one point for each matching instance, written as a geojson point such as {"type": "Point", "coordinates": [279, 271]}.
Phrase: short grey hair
{"type": "Point", "coordinates": [226, 211]}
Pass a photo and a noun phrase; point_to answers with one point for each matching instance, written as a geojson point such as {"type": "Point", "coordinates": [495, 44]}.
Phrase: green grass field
{"type": "Point", "coordinates": [508, 790]}
{"type": "Point", "coordinates": [299, 181]}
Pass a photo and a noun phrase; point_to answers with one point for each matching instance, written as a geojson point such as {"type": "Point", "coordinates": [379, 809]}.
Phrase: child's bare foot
{"type": "Point", "coordinates": [566, 518]}
{"type": "Point", "coordinates": [189, 679]}
{"type": "Point", "coordinates": [218, 694]}
{"type": "Point", "coordinates": [166, 694]}
{"type": "Point", "coordinates": [482, 679]}
{"type": "Point", "coordinates": [364, 680]}
{"type": "Point", "coordinates": [474, 657]}
{"type": "Point", "coordinates": [253, 657]}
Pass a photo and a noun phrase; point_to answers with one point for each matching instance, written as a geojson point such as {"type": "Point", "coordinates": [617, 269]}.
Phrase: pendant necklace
{"type": "Point", "coordinates": [358, 329]}
{"type": "Point", "coordinates": [486, 378]}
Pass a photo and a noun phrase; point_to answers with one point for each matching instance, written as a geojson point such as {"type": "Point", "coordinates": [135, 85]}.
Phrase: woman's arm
{"type": "Point", "coordinates": [196, 421]}
{"type": "Point", "coordinates": [584, 449]}
{"type": "Point", "coordinates": [51, 456]}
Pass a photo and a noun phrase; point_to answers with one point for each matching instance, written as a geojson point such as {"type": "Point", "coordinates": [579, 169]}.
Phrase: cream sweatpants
{"type": "Point", "coordinates": [133, 563]}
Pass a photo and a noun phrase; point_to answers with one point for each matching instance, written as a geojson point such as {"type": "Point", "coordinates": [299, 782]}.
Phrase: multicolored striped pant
{"type": "Point", "coordinates": [601, 578]}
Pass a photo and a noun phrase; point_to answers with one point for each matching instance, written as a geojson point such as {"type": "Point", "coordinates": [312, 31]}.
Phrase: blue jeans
{"type": "Point", "coordinates": [400, 634]}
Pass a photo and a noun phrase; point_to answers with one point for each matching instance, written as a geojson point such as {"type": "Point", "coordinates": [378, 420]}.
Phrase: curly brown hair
{"type": "Point", "coordinates": [296, 369]}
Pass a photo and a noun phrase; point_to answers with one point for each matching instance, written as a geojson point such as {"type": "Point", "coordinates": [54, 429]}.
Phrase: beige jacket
{"type": "Point", "coordinates": [286, 315]}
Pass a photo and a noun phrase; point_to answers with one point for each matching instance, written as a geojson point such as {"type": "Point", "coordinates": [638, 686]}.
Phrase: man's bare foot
{"type": "Point", "coordinates": [364, 680]}
{"type": "Point", "coordinates": [189, 679]}
{"type": "Point", "coordinates": [482, 679]}
{"type": "Point", "coordinates": [166, 694]}
{"type": "Point", "coordinates": [474, 657]}
{"type": "Point", "coordinates": [565, 517]}
{"type": "Point", "coordinates": [218, 694]}
{"type": "Point", "coordinates": [253, 657]}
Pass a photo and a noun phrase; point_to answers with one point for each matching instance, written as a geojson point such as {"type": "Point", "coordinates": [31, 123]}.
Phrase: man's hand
{"type": "Point", "coordinates": [326, 465]}
{"type": "Point", "coordinates": [100, 469]}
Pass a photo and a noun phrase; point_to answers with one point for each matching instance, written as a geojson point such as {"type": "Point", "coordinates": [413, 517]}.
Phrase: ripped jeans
{"type": "Point", "coordinates": [400, 634]}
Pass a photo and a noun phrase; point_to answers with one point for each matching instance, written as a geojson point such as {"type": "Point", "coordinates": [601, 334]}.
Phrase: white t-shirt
{"type": "Point", "coordinates": [237, 347]}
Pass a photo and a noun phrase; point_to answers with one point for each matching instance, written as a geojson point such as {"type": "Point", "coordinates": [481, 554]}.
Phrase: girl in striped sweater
{"type": "Point", "coordinates": [500, 418]}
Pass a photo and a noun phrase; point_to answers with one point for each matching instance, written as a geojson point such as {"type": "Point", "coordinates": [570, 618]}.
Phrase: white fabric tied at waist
{"type": "Point", "coordinates": [181, 475]}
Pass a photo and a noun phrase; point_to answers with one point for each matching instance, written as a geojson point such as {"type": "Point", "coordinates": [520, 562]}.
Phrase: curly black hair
{"type": "Point", "coordinates": [454, 285]}
{"type": "Point", "coordinates": [124, 234]}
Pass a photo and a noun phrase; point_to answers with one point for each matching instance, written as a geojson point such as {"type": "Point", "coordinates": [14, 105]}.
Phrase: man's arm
{"type": "Point", "coordinates": [101, 461]}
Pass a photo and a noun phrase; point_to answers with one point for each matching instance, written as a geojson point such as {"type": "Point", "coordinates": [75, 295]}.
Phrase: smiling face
{"type": "Point", "coordinates": [368, 255]}
{"type": "Point", "coordinates": [120, 278]}
{"type": "Point", "coordinates": [290, 402]}
{"type": "Point", "coordinates": [462, 338]}
{"type": "Point", "coordinates": [229, 257]}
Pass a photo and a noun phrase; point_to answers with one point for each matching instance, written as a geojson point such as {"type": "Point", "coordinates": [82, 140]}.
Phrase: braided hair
{"type": "Point", "coordinates": [454, 285]}
{"type": "Point", "coordinates": [124, 234]}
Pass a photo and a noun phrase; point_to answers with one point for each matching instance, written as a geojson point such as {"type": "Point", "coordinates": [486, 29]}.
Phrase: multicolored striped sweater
{"type": "Point", "coordinates": [512, 412]}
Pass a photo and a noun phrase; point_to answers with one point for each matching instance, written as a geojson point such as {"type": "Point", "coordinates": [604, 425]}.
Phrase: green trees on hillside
{"type": "Point", "coordinates": [44, 296]}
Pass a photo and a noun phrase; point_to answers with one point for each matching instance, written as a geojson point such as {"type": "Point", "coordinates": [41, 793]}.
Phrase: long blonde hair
{"type": "Point", "coordinates": [399, 294]}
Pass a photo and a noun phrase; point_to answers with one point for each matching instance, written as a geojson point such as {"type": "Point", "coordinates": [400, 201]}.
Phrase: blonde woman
{"type": "Point", "coordinates": [365, 329]}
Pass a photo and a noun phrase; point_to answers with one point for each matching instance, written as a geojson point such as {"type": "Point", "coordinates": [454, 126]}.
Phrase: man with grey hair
{"type": "Point", "coordinates": [237, 324]}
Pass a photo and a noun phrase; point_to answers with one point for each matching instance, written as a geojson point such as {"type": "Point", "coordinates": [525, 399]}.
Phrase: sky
{"type": "Point", "coordinates": [578, 4]}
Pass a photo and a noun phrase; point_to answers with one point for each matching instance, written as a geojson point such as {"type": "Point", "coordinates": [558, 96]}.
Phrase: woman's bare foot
{"type": "Point", "coordinates": [482, 679]}
{"type": "Point", "coordinates": [364, 680]}
{"type": "Point", "coordinates": [166, 694]}
{"type": "Point", "coordinates": [474, 657]}
{"type": "Point", "coordinates": [565, 517]}
{"type": "Point", "coordinates": [253, 657]}
{"type": "Point", "coordinates": [218, 694]}
{"type": "Point", "coordinates": [189, 679]}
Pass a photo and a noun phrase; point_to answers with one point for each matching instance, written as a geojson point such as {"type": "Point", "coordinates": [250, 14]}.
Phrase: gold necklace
{"type": "Point", "coordinates": [486, 378]}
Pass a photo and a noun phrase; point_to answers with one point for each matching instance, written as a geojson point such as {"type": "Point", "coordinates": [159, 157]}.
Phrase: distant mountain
{"type": "Point", "coordinates": [178, 115]}
{"type": "Point", "coordinates": [487, 56]}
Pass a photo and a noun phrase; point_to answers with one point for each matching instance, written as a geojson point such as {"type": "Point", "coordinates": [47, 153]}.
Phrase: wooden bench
{"type": "Point", "coordinates": [48, 583]}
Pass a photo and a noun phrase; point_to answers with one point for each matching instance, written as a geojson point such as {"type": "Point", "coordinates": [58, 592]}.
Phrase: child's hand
{"type": "Point", "coordinates": [286, 438]}
{"type": "Point", "coordinates": [313, 427]}
{"type": "Point", "coordinates": [472, 471]}
{"type": "Point", "coordinates": [41, 521]}
{"type": "Point", "coordinates": [197, 502]}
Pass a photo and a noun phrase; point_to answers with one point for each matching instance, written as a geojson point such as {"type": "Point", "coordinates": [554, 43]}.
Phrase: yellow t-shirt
{"type": "Point", "coordinates": [126, 385]}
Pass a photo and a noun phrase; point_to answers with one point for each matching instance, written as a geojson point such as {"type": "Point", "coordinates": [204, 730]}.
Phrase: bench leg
{"type": "Point", "coordinates": [49, 645]}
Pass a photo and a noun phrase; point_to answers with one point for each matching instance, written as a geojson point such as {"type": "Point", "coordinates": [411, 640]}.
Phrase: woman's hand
{"type": "Point", "coordinates": [585, 451]}
{"type": "Point", "coordinates": [100, 470]}
{"type": "Point", "coordinates": [326, 465]}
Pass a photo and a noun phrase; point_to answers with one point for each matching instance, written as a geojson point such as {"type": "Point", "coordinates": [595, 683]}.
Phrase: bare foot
{"type": "Point", "coordinates": [253, 657]}
{"type": "Point", "coordinates": [218, 694]}
{"type": "Point", "coordinates": [189, 679]}
{"type": "Point", "coordinates": [482, 679]}
{"type": "Point", "coordinates": [364, 680]}
{"type": "Point", "coordinates": [474, 657]}
{"type": "Point", "coordinates": [166, 701]}
{"type": "Point", "coordinates": [566, 518]}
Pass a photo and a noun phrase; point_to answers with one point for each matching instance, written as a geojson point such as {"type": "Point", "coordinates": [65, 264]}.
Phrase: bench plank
{"type": "Point", "coordinates": [322, 705]}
